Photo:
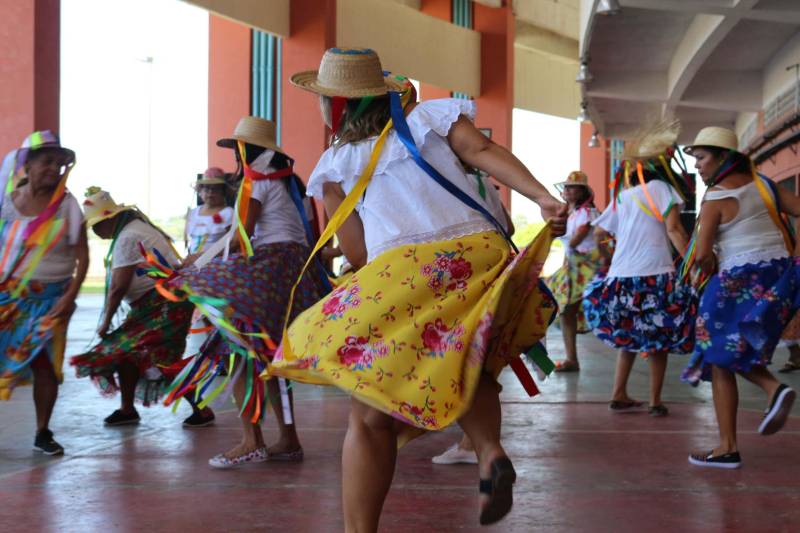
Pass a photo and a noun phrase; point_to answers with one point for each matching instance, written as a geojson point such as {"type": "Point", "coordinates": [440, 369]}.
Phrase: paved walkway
{"type": "Point", "coordinates": [580, 467]}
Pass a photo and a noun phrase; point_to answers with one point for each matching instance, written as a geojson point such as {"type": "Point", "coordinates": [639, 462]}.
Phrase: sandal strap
{"type": "Point", "coordinates": [485, 486]}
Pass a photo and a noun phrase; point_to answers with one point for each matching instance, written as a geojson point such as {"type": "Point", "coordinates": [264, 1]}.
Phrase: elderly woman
{"type": "Point", "coordinates": [152, 336]}
{"type": "Point", "coordinates": [208, 222]}
{"type": "Point", "coordinates": [43, 261]}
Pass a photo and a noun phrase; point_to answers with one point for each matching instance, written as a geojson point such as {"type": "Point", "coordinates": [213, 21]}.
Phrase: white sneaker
{"type": "Point", "coordinates": [259, 455]}
{"type": "Point", "coordinates": [455, 455]}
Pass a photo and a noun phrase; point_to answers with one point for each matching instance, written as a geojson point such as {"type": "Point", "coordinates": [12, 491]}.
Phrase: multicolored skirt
{"type": "Point", "coordinates": [25, 332]}
{"type": "Point", "coordinates": [152, 337]}
{"type": "Point", "coordinates": [644, 314]}
{"type": "Point", "coordinates": [247, 299]}
{"type": "Point", "coordinates": [411, 332]}
{"type": "Point", "coordinates": [742, 314]}
{"type": "Point", "coordinates": [569, 282]}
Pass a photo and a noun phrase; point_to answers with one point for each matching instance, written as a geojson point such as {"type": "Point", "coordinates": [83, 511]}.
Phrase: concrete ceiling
{"type": "Point", "coordinates": [702, 61]}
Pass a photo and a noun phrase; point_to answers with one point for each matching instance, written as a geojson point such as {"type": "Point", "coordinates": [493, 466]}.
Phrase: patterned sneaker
{"type": "Point", "coordinates": [728, 461]}
{"type": "Point", "coordinates": [775, 417]}
{"type": "Point", "coordinates": [259, 455]}
{"type": "Point", "coordinates": [199, 420]}
{"type": "Point", "coordinates": [45, 443]}
{"type": "Point", "coordinates": [455, 455]}
{"type": "Point", "coordinates": [118, 418]}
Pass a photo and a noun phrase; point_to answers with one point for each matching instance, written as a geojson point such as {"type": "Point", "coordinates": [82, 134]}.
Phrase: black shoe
{"type": "Point", "coordinates": [45, 443]}
{"type": "Point", "coordinates": [729, 461]}
{"type": "Point", "coordinates": [775, 417]}
{"type": "Point", "coordinates": [118, 418]}
{"type": "Point", "coordinates": [500, 490]}
{"type": "Point", "coordinates": [657, 411]}
{"type": "Point", "coordinates": [199, 420]}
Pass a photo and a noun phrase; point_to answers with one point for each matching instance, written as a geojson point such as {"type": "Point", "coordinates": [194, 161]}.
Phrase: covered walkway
{"type": "Point", "coordinates": [580, 467]}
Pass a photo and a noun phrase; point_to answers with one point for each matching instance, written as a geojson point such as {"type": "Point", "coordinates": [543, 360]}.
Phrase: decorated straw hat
{"type": "Point", "coordinates": [212, 176]}
{"type": "Point", "coordinates": [349, 73]}
{"type": "Point", "coordinates": [39, 140]}
{"type": "Point", "coordinates": [98, 206]}
{"type": "Point", "coordinates": [715, 137]}
{"type": "Point", "coordinates": [575, 178]}
{"type": "Point", "coordinates": [653, 140]}
{"type": "Point", "coordinates": [253, 130]}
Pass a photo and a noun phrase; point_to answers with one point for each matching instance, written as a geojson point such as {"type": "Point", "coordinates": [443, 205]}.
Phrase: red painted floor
{"type": "Point", "coordinates": [581, 468]}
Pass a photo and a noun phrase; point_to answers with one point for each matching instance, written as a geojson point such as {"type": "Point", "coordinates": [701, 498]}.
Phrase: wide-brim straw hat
{"type": "Point", "coordinates": [349, 73]}
{"type": "Point", "coordinates": [653, 140]}
{"type": "Point", "coordinates": [99, 206]}
{"type": "Point", "coordinates": [715, 137]}
{"type": "Point", "coordinates": [576, 178]}
{"type": "Point", "coordinates": [253, 130]}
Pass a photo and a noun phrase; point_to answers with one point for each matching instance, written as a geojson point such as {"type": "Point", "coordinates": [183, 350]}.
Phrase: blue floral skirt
{"type": "Point", "coordinates": [643, 313]}
{"type": "Point", "coordinates": [741, 317]}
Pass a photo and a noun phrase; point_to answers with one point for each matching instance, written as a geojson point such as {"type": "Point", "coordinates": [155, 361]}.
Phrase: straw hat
{"type": "Point", "coordinates": [715, 137]}
{"type": "Point", "coordinates": [99, 206]}
{"type": "Point", "coordinates": [212, 176]}
{"type": "Point", "coordinates": [652, 140]}
{"type": "Point", "coordinates": [253, 130]}
{"type": "Point", "coordinates": [575, 178]}
{"type": "Point", "coordinates": [349, 73]}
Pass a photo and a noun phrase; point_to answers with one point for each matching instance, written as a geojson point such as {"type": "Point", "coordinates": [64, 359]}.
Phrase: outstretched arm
{"type": "Point", "coordinates": [351, 234]}
{"type": "Point", "coordinates": [475, 149]}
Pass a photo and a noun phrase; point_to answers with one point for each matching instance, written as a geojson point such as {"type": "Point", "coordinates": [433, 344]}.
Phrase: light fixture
{"type": "Point", "coordinates": [583, 116]}
{"type": "Point", "coordinates": [584, 76]}
{"type": "Point", "coordinates": [608, 7]}
{"type": "Point", "coordinates": [594, 142]}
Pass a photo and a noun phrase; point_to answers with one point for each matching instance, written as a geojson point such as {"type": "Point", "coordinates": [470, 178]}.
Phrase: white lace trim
{"type": "Point", "coordinates": [753, 257]}
{"type": "Point", "coordinates": [445, 234]}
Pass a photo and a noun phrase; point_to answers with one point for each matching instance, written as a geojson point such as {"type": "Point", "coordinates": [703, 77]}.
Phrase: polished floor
{"type": "Point", "coordinates": [580, 467]}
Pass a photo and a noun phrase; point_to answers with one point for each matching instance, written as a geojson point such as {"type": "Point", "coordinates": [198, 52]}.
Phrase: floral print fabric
{"type": "Point", "coordinates": [152, 336]}
{"type": "Point", "coordinates": [642, 314]}
{"type": "Point", "coordinates": [741, 316]}
{"type": "Point", "coordinates": [411, 332]}
{"type": "Point", "coordinates": [569, 282]}
{"type": "Point", "coordinates": [25, 332]}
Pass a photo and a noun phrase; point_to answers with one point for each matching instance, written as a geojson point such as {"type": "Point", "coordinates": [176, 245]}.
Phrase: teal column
{"type": "Point", "coordinates": [266, 77]}
{"type": "Point", "coordinates": [462, 16]}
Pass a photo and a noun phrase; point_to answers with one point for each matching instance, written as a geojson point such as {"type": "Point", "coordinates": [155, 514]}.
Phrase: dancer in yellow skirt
{"type": "Point", "coordinates": [439, 304]}
{"type": "Point", "coordinates": [582, 260]}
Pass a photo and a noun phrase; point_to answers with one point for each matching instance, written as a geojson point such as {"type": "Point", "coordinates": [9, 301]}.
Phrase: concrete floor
{"type": "Point", "coordinates": [580, 467]}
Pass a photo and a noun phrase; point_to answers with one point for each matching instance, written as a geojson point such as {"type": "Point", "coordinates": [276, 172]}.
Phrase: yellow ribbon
{"type": "Point", "coordinates": [772, 209]}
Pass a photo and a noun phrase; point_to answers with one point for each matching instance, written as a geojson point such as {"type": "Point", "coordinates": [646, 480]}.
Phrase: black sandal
{"type": "Point", "coordinates": [499, 488]}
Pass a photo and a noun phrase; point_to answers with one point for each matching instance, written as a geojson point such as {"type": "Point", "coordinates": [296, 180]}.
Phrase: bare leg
{"type": "Point", "coordinates": [625, 362]}
{"type": "Point", "coordinates": [252, 438]}
{"type": "Point", "coordinates": [45, 390]}
{"type": "Point", "coordinates": [726, 403]}
{"type": "Point", "coordinates": [128, 378]}
{"type": "Point", "coordinates": [658, 368]}
{"type": "Point", "coordinates": [369, 455]}
{"type": "Point", "coordinates": [466, 443]}
{"type": "Point", "coordinates": [288, 440]}
{"type": "Point", "coordinates": [569, 330]}
{"type": "Point", "coordinates": [759, 375]}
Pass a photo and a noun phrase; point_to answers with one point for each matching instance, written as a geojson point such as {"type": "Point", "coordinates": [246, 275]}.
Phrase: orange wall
{"type": "Point", "coordinates": [303, 133]}
{"type": "Point", "coordinates": [30, 56]}
{"type": "Point", "coordinates": [785, 164]}
{"type": "Point", "coordinates": [229, 50]}
{"type": "Point", "coordinates": [595, 163]}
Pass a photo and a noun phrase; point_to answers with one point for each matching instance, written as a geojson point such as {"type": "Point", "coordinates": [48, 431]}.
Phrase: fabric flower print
{"type": "Point", "coordinates": [448, 272]}
{"type": "Point", "coordinates": [437, 338]}
{"type": "Point", "coordinates": [340, 301]}
{"type": "Point", "coordinates": [358, 353]}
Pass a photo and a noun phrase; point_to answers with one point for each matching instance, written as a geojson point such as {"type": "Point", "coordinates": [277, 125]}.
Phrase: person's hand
{"type": "Point", "coordinates": [63, 309]}
{"type": "Point", "coordinates": [102, 330]}
{"type": "Point", "coordinates": [555, 213]}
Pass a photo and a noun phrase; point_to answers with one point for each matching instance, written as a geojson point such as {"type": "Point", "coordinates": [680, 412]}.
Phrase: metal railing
{"type": "Point", "coordinates": [787, 103]}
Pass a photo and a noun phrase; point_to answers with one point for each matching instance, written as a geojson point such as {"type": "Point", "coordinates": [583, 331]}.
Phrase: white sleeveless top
{"type": "Point", "coordinates": [751, 237]}
{"type": "Point", "coordinates": [403, 204]}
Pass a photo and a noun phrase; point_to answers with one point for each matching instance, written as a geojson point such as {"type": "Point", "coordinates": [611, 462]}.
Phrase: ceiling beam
{"type": "Point", "coordinates": [716, 7]}
{"type": "Point", "coordinates": [274, 20]}
{"type": "Point", "coordinates": [546, 42]}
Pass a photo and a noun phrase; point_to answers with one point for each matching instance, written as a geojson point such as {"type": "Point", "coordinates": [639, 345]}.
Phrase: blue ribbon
{"type": "Point", "coordinates": [294, 192]}
{"type": "Point", "coordinates": [403, 132]}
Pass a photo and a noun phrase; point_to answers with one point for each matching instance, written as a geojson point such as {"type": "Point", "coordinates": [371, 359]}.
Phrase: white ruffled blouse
{"type": "Point", "coordinates": [403, 204]}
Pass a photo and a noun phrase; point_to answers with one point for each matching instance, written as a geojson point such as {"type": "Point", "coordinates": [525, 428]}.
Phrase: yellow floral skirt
{"type": "Point", "coordinates": [411, 332]}
{"type": "Point", "coordinates": [569, 281]}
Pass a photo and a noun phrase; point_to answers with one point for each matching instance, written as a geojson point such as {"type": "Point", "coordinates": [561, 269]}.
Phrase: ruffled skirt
{"type": "Point", "coordinates": [152, 337]}
{"type": "Point", "coordinates": [411, 332]}
{"type": "Point", "coordinates": [742, 314]}
{"type": "Point", "coordinates": [25, 332]}
{"type": "Point", "coordinates": [642, 314]}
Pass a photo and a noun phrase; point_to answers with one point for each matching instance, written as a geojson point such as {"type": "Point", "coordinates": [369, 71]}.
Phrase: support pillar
{"type": "Point", "coordinates": [596, 164]}
{"type": "Point", "coordinates": [30, 69]}
{"type": "Point", "coordinates": [229, 53]}
{"type": "Point", "coordinates": [442, 9]}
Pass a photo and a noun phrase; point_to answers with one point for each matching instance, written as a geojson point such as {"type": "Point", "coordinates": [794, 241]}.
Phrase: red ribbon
{"type": "Point", "coordinates": [524, 376]}
{"type": "Point", "coordinates": [337, 110]}
{"type": "Point", "coordinates": [258, 176]}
